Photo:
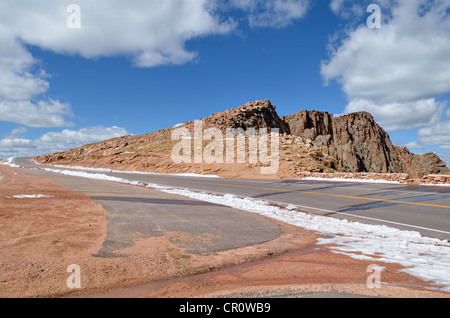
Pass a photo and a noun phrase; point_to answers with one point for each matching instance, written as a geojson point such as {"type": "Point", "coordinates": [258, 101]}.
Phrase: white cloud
{"type": "Point", "coordinates": [12, 146]}
{"type": "Point", "coordinates": [401, 116]}
{"type": "Point", "coordinates": [347, 8]}
{"type": "Point", "coordinates": [20, 82]}
{"type": "Point", "coordinates": [336, 5]}
{"type": "Point", "coordinates": [404, 66]}
{"type": "Point", "coordinates": [272, 13]}
{"type": "Point", "coordinates": [16, 132]}
{"type": "Point", "coordinates": [41, 114]}
{"type": "Point", "coordinates": [438, 135]}
{"type": "Point", "coordinates": [16, 79]}
{"type": "Point", "coordinates": [75, 138]}
{"type": "Point", "coordinates": [151, 32]}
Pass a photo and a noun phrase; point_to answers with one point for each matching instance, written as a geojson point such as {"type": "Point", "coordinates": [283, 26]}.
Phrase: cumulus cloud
{"type": "Point", "coordinates": [20, 82]}
{"type": "Point", "coordinates": [400, 116]}
{"type": "Point", "coordinates": [272, 13]}
{"type": "Point", "coordinates": [17, 82]}
{"type": "Point", "coordinates": [401, 68]}
{"type": "Point", "coordinates": [438, 135]}
{"type": "Point", "coordinates": [347, 8]}
{"type": "Point", "coordinates": [151, 32]}
{"type": "Point", "coordinates": [16, 146]}
{"type": "Point", "coordinates": [35, 114]}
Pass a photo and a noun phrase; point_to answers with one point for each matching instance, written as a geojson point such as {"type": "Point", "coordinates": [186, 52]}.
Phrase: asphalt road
{"type": "Point", "coordinates": [196, 227]}
{"type": "Point", "coordinates": [425, 209]}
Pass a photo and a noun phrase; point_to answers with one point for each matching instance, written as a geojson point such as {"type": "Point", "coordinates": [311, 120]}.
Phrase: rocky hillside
{"type": "Point", "coordinates": [359, 144]}
{"type": "Point", "coordinates": [310, 141]}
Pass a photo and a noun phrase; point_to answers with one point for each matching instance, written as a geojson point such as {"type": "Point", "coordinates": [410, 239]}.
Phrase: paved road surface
{"type": "Point", "coordinates": [425, 209]}
{"type": "Point", "coordinates": [195, 226]}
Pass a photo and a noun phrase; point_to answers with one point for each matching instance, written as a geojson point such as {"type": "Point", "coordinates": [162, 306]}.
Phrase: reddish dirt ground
{"type": "Point", "coordinates": [40, 238]}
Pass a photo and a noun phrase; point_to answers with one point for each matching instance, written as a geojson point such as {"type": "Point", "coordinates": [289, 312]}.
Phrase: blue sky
{"type": "Point", "coordinates": [131, 80]}
{"type": "Point", "coordinates": [282, 65]}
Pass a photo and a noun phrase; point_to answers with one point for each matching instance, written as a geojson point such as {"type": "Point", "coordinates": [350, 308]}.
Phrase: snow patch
{"type": "Point", "coordinates": [30, 196]}
{"type": "Point", "coordinates": [368, 181]}
{"type": "Point", "coordinates": [435, 185]}
{"type": "Point", "coordinates": [195, 175]}
{"type": "Point", "coordinates": [351, 180]}
{"type": "Point", "coordinates": [97, 176]}
{"type": "Point", "coordinates": [134, 172]}
{"type": "Point", "coordinates": [9, 163]}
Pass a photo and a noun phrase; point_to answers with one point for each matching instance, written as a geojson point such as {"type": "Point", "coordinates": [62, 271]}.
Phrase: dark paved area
{"type": "Point", "coordinates": [135, 212]}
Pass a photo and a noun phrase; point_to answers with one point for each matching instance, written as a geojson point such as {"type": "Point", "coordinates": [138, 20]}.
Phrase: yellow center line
{"type": "Point", "coordinates": [308, 192]}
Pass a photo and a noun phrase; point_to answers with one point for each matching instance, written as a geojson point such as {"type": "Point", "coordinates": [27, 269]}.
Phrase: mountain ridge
{"type": "Point", "coordinates": [310, 140]}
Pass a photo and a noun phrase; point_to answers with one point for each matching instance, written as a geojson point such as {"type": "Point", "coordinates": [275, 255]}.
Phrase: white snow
{"type": "Point", "coordinates": [31, 196]}
{"type": "Point", "coordinates": [97, 176]}
{"type": "Point", "coordinates": [367, 181]}
{"type": "Point", "coordinates": [81, 168]}
{"type": "Point", "coordinates": [195, 175]}
{"type": "Point", "coordinates": [351, 180]}
{"type": "Point", "coordinates": [9, 163]}
{"type": "Point", "coordinates": [435, 185]}
{"type": "Point", "coordinates": [424, 257]}
{"type": "Point", "coordinates": [134, 172]}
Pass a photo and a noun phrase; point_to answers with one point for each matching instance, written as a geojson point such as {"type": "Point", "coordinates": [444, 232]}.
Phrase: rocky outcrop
{"type": "Point", "coordinates": [422, 165]}
{"type": "Point", "coordinates": [310, 124]}
{"type": "Point", "coordinates": [359, 144]}
{"type": "Point", "coordinates": [258, 115]}
{"type": "Point", "coordinates": [355, 141]}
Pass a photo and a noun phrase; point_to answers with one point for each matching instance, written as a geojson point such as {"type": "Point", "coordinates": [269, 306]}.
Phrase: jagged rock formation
{"type": "Point", "coordinates": [359, 144]}
{"type": "Point", "coordinates": [422, 165]}
{"type": "Point", "coordinates": [259, 115]}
